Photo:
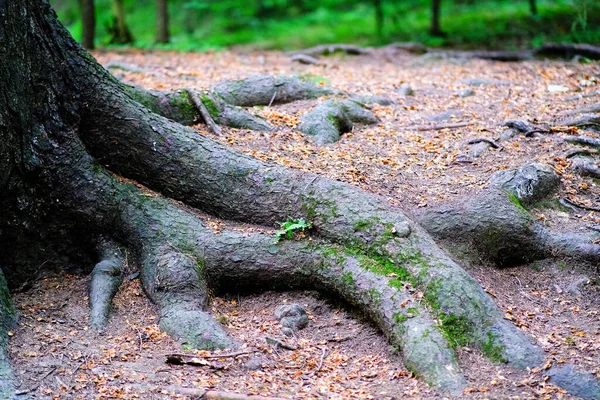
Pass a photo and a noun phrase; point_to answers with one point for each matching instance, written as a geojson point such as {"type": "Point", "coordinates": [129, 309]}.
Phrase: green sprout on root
{"type": "Point", "coordinates": [290, 227]}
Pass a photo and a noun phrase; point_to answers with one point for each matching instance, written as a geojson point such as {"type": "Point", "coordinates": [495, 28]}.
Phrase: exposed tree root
{"type": "Point", "coordinates": [572, 203]}
{"type": "Point", "coordinates": [580, 384]}
{"type": "Point", "coordinates": [305, 59]}
{"type": "Point", "coordinates": [568, 50]}
{"type": "Point", "coordinates": [592, 108]}
{"type": "Point", "coordinates": [518, 125]}
{"type": "Point", "coordinates": [124, 67]}
{"type": "Point", "coordinates": [473, 151]}
{"type": "Point", "coordinates": [583, 120]}
{"type": "Point", "coordinates": [585, 166]}
{"type": "Point", "coordinates": [262, 90]}
{"type": "Point", "coordinates": [338, 212]}
{"type": "Point", "coordinates": [497, 224]}
{"type": "Point", "coordinates": [223, 105]}
{"type": "Point", "coordinates": [330, 119]}
{"type": "Point", "coordinates": [489, 142]}
{"type": "Point", "coordinates": [583, 140]}
{"type": "Point", "coordinates": [503, 56]}
{"type": "Point", "coordinates": [326, 49]}
{"type": "Point", "coordinates": [107, 276]}
{"type": "Point", "coordinates": [410, 47]}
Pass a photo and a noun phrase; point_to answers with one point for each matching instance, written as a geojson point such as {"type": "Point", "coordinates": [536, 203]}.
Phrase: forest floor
{"type": "Point", "coordinates": [340, 355]}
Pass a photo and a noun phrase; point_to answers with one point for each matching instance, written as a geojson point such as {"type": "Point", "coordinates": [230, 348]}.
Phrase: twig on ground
{"type": "Point", "coordinates": [208, 356]}
{"type": "Point", "coordinates": [216, 129]}
{"type": "Point", "coordinates": [80, 364]}
{"type": "Point", "coordinates": [339, 340]}
{"type": "Point", "coordinates": [323, 354]}
{"type": "Point", "coordinates": [311, 182]}
{"type": "Point", "coordinates": [272, 98]}
{"type": "Point", "coordinates": [438, 127]}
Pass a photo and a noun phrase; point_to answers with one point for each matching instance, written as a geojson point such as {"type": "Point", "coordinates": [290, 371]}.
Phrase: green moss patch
{"type": "Point", "coordinates": [493, 351]}
{"type": "Point", "coordinates": [211, 106]}
{"type": "Point", "coordinates": [456, 329]}
{"type": "Point", "coordinates": [515, 200]}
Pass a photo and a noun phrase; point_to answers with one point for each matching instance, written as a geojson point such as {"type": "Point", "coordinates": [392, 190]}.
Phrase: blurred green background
{"type": "Point", "coordinates": [199, 25]}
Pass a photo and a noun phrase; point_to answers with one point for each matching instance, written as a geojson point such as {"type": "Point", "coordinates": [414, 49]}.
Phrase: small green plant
{"type": "Point", "coordinates": [290, 227]}
{"type": "Point", "coordinates": [562, 265]}
{"type": "Point", "coordinates": [569, 340]}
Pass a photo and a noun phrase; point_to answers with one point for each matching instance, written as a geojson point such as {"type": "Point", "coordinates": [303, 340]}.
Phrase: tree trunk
{"type": "Point", "coordinates": [88, 22]}
{"type": "Point", "coordinates": [162, 21]}
{"type": "Point", "coordinates": [119, 31]}
{"type": "Point", "coordinates": [533, 7]}
{"type": "Point", "coordinates": [379, 18]}
{"type": "Point", "coordinates": [435, 29]}
{"type": "Point", "coordinates": [73, 140]}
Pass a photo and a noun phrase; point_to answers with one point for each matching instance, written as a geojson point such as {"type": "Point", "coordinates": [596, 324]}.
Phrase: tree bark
{"type": "Point", "coordinates": [88, 22]}
{"type": "Point", "coordinates": [162, 21]}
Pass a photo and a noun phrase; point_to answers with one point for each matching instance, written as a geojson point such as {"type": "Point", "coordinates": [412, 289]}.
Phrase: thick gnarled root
{"type": "Point", "coordinates": [263, 90]}
{"type": "Point", "coordinates": [499, 226]}
{"type": "Point", "coordinates": [330, 119]}
{"type": "Point", "coordinates": [174, 281]}
{"type": "Point", "coordinates": [223, 105]}
{"type": "Point", "coordinates": [225, 101]}
{"type": "Point", "coordinates": [376, 286]}
{"type": "Point", "coordinates": [107, 276]}
{"type": "Point", "coordinates": [373, 285]}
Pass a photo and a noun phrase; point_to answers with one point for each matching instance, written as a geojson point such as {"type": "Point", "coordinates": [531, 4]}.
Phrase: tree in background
{"type": "Point", "coordinates": [379, 18]}
{"type": "Point", "coordinates": [162, 21]}
{"type": "Point", "coordinates": [435, 29]}
{"type": "Point", "coordinates": [533, 7]}
{"type": "Point", "coordinates": [119, 31]}
{"type": "Point", "coordinates": [88, 23]}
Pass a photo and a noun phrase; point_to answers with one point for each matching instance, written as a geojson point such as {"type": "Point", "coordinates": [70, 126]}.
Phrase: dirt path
{"type": "Point", "coordinates": [557, 302]}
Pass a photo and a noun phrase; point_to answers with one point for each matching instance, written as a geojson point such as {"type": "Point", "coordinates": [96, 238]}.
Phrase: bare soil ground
{"type": "Point", "coordinates": [340, 355]}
